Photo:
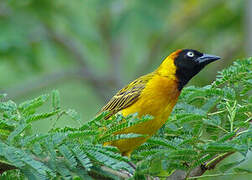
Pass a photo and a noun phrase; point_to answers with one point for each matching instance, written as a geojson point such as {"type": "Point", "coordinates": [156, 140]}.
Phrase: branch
{"type": "Point", "coordinates": [199, 170]}
{"type": "Point", "coordinates": [5, 167]}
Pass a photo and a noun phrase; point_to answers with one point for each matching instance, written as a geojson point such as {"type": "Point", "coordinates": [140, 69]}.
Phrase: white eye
{"type": "Point", "coordinates": [190, 54]}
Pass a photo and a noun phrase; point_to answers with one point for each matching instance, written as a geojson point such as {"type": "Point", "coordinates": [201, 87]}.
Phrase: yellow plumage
{"type": "Point", "coordinates": [154, 94]}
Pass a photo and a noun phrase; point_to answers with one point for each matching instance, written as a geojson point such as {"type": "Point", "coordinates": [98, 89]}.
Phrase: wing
{"type": "Point", "coordinates": [126, 96]}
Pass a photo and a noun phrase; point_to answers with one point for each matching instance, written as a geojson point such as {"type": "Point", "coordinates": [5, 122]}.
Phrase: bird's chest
{"type": "Point", "coordinates": [157, 99]}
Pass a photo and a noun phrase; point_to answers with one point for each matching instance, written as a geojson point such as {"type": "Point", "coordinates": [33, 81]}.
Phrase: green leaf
{"type": "Point", "coordinates": [219, 148]}
{"type": "Point", "coordinates": [242, 170]}
{"type": "Point", "coordinates": [33, 104]}
{"type": "Point", "coordinates": [82, 157]}
{"type": "Point", "coordinates": [225, 167]}
{"type": "Point", "coordinates": [161, 142]}
{"type": "Point", "coordinates": [18, 130]}
{"type": "Point", "coordinates": [69, 157]}
{"type": "Point", "coordinates": [63, 170]}
{"type": "Point", "coordinates": [226, 137]}
{"type": "Point", "coordinates": [8, 106]}
{"type": "Point", "coordinates": [73, 114]}
{"type": "Point", "coordinates": [55, 100]}
{"type": "Point", "coordinates": [109, 137]}
{"type": "Point", "coordinates": [214, 121]}
{"type": "Point", "coordinates": [40, 116]}
{"type": "Point", "coordinates": [3, 96]}
{"type": "Point", "coordinates": [211, 103]}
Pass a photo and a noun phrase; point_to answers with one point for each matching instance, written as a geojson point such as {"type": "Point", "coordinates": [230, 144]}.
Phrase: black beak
{"type": "Point", "coordinates": [207, 58]}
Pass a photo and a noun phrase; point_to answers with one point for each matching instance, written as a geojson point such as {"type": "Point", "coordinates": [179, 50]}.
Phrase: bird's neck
{"type": "Point", "coordinates": [179, 74]}
{"type": "Point", "coordinates": [185, 75]}
{"type": "Point", "coordinates": [182, 77]}
{"type": "Point", "coordinates": [167, 68]}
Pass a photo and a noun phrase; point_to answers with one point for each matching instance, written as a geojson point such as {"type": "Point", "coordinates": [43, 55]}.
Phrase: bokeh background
{"type": "Point", "coordinates": [88, 49]}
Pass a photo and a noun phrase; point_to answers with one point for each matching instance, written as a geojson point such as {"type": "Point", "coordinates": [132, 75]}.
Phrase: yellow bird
{"type": "Point", "coordinates": [155, 94]}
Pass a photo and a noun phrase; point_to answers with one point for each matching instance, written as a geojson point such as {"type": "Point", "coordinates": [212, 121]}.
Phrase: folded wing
{"type": "Point", "coordinates": [126, 96]}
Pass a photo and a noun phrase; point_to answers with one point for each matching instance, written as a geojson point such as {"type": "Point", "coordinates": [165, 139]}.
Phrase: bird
{"type": "Point", "coordinates": [154, 94]}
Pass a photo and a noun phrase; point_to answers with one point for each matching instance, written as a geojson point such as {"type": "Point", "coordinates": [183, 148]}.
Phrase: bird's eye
{"type": "Point", "coordinates": [190, 54]}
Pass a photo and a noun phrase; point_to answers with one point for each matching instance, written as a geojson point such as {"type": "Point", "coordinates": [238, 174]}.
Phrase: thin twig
{"type": "Point", "coordinates": [5, 167]}
{"type": "Point", "coordinates": [199, 170]}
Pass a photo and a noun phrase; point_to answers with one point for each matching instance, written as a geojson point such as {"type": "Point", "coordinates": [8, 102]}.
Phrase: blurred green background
{"type": "Point", "coordinates": [88, 49]}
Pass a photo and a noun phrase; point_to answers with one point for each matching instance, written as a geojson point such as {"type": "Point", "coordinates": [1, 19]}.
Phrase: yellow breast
{"type": "Point", "coordinates": [157, 99]}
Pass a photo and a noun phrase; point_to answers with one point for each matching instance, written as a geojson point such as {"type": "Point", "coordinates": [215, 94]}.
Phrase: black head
{"type": "Point", "coordinates": [189, 62]}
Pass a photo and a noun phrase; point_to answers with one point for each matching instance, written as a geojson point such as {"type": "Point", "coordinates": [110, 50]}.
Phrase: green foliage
{"type": "Point", "coordinates": [207, 122]}
{"type": "Point", "coordinates": [59, 152]}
